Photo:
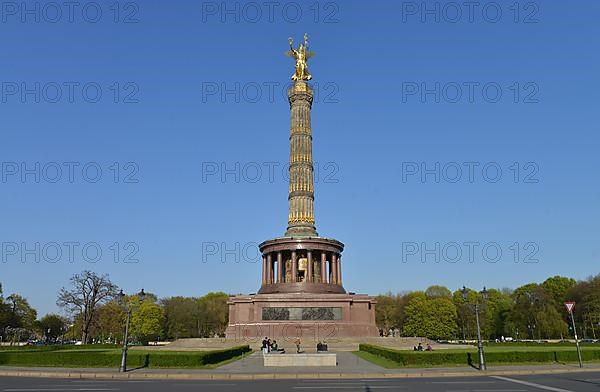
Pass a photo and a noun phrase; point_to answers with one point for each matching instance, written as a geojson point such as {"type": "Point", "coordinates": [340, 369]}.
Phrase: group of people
{"type": "Point", "coordinates": [391, 333]}
{"type": "Point", "coordinates": [321, 346]}
{"type": "Point", "coordinates": [420, 347]}
{"type": "Point", "coordinates": [268, 346]}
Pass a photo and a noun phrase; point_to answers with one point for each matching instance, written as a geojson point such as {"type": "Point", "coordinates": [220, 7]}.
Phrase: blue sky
{"type": "Point", "coordinates": [191, 88]}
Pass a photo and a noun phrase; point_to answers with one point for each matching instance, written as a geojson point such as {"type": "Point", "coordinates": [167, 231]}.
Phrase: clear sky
{"type": "Point", "coordinates": [181, 107]}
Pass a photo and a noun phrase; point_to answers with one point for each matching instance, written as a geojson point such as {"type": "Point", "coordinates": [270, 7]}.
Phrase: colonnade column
{"type": "Point", "coordinates": [339, 269]}
{"type": "Point", "coordinates": [269, 269]}
{"type": "Point", "coordinates": [334, 271]}
{"type": "Point", "coordinates": [294, 266]}
{"type": "Point", "coordinates": [323, 267]}
{"type": "Point", "coordinates": [279, 267]}
{"type": "Point", "coordinates": [309, 278]}
{"type": "Point", "coordinates": [264, 270]}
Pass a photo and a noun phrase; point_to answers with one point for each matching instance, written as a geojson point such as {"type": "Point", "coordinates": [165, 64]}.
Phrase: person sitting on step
{"type": "Point", "coordinates": [275, 348]}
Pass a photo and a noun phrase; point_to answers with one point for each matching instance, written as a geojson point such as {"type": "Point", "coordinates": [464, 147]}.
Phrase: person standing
{"type": "Point", "coordinates": [297, 342]}
{"type": "Point", "coordinates": [265, 347]}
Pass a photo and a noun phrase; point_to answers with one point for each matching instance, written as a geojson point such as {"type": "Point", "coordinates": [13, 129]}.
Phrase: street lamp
{"type": "Point", "coordinates": [141, 295]}
{"type": "Point", "coordinates": [484, 294]}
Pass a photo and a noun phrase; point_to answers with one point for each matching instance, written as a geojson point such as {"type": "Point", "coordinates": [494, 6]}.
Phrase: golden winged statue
{"type": "Point", "coordinates": [301, 55]}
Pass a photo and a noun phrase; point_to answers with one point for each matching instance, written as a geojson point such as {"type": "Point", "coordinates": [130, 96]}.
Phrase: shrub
{"type": "Point", "coordinates": [470, 357]}
{"type": "Point", "coordinates": [112, 358]}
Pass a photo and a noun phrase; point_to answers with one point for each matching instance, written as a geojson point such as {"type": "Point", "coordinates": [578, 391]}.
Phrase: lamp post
{"type": "Point", "coordinates": [483, 293]}
{"type": "Point", "coordinates": [141, 295]}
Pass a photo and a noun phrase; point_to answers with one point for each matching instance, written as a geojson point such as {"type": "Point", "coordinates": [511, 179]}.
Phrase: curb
{"type": "Point", "coordinates": [276, 376]}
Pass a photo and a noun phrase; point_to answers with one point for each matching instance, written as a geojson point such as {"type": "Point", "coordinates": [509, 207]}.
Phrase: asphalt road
{"type": "Point", "coordinates": [567, 382]}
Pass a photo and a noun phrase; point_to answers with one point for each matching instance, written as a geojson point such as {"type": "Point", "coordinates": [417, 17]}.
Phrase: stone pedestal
{"type": "Point", "coordinates": [291, 360]}
{"type": "Point", "coordinates": [304, 315]}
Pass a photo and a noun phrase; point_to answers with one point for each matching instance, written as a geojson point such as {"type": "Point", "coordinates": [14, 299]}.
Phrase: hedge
{"type": "Point", "coordinates": [112, 358]}
{"type": "Point", "coordinates": [438, 358]}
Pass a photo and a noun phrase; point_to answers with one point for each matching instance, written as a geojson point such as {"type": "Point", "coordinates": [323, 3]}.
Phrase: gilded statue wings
{"type": "Point", "coordinates": [309, 54]}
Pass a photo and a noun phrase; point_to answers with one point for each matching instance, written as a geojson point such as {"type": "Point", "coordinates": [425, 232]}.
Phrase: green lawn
{"type": "Point", "coordinates": [541, 347]}
{"type": "Point", "coordinates": [527, 348]}
{"type": "Point", "coordinates": [378, 360]}
{"type": "Point", "coordinates": [502, 347]}
{"type": "Point", "coordinates": [60, 347]}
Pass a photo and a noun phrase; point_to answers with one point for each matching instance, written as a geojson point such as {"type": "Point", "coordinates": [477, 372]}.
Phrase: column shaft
{"type": "Point", "coordinates": [309, 278]}
{"type": "Point", "coordinates": [334, 278]}
{"type": "Point", "coordinates": [294, 267]}
{"type": "Point", "coordinates": [264, 270]}
{"type": "Point", "coordinates": [323, 267]}
{"type": "Point", "coordinates": [269, 269]}
{"type": "Point", "coordinates": [339, 265]}
{"type": "Point", "coordinates": [301, 220]}
{"type": "Point", "coordinates": [279, 267]}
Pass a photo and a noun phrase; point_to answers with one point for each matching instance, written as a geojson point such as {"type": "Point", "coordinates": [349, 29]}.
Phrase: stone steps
{"type": "Point", "coordinates": [307, 345]}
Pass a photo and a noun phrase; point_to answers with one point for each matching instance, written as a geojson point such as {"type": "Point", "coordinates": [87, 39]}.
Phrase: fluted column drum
{"type": "Point", "coordinates": [301, 217]}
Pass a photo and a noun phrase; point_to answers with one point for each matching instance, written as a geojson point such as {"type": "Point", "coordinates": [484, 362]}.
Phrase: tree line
{"type": "Point", "coordinates": [95, 312]}
{"type": "Point", "coordinates": [532, 311]}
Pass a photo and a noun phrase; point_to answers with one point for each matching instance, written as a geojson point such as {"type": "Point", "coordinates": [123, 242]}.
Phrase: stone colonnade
{"type": "Point", "coordinates": [312, 266]}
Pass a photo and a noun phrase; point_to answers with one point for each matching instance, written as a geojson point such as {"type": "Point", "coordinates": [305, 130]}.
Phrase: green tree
{"type": "Point", "coordinates": [385, 312]}
{"type": "Point", "coordinates": [415, 314]}
{"type": "Point", "coordinates": [389, 312]}
{"type": "Point", "coordinates": [438, 292]}
{"type": "Point", "coordinates": [88, 292]}
{"type": "Point", "coordinates": [442, 316]}
{"type": "Point", "coordinates": [51, 326]}
{"type": "Point", "coordinates": [465, 313]}
{"type": "Point", "coordinates": [109, 323]}
{"type": "Point", "coordinates": [497, 307]}
{"type": "Point", "coordinates": [432, 318]}
{"type": "Point", "coordinates": [550, 323]}
{"type": "Point", "coordinates": [586, 294]}
{"type": "Point", "coordinates": [535, 314]}
{"type": "Point", "coordinates": [4, 314]}
{"type": "Point", "coordinates": [147, 321]}
{"type": "Point", "coordinates": [214, 314]}
{"type": "Point", "coordinates": [20, 313]}
{"type": "Point", "coordinates": [493, 312]}
{"type": "Point", "coordinates": [182, 317]}
{"type": "Point", "coordinates": [557, 288]}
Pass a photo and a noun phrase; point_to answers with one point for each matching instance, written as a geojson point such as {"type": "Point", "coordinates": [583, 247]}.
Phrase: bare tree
{"type": "Point", "coordinates": [88, 292]}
